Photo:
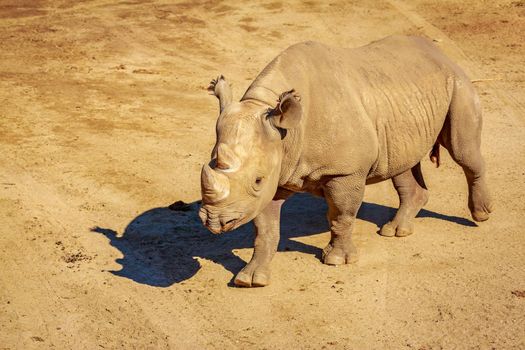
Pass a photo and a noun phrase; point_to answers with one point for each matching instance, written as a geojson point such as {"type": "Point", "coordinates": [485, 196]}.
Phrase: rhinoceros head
{"type": "Point", "coordinates": [243, 174]}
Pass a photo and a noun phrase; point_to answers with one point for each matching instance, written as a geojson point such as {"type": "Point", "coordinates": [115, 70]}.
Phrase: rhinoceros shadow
{"type": "Point", "coordinates": [161, 246]}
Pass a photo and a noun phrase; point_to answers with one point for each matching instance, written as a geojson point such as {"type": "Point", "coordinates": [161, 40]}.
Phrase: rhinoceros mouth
{"type": "Point", "coordinates": [229, 225]}
{"type": "Point", "coordinates": [217, 224]}
{"type": "Point", "coordinates": [233, 224]}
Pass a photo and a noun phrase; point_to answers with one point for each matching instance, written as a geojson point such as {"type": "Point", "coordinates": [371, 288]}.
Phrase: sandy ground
{"type": "Point", "coordinates": [104, 122]}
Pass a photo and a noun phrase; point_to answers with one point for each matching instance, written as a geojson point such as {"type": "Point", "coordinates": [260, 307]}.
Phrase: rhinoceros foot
{"type": "Point", "coordinates": [391, 229]}
{"type": "Point", "coordinates": [253, 275]}
{"type": "Point", "coordinates": [480, 204]}
{"type": "Point", "coordinates": [339, 255]}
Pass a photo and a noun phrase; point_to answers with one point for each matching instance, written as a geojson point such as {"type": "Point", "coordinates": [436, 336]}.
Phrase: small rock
{"type": "Point", "coordinates": [519, 293]}
{"type": "Point", "coordinates": [144, 71]}
{"type": "Point", "coordinates": [179, 206]}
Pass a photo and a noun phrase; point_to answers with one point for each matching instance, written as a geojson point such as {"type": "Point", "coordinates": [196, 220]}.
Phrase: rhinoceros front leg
{"type": "Point", "coordinates": [344, 196]}
{"type": "Point", "coordinates": [257, 272]}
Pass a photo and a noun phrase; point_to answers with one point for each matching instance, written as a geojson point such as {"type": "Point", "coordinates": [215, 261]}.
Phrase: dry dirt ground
{"type": "Point", "coordinates": [105, 121]}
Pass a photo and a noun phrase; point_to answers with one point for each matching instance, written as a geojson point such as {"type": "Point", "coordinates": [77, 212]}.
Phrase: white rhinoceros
{"type": "Point", "coordinates": [328, 121]}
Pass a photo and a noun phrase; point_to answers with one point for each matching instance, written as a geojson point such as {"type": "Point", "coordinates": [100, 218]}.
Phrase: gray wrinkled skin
{"type": "Point", "coordinates": [329, 121]}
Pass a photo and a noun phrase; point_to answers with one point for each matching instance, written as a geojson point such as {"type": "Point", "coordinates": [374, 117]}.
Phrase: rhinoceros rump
{"type": "Point", "coordinates": [328, 121]}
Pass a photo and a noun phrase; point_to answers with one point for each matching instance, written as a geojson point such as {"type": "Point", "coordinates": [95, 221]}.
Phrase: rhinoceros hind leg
{"type": "Point", "coordinates": [413, 195]}
{"type": "Point", "coordinates": [461, 136]}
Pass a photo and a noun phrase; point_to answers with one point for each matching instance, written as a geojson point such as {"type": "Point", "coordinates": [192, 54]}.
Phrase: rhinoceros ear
{"type": "Point", "coordinates": [221, 89]}
{"type": "Point", "coordinates": [287, 114]}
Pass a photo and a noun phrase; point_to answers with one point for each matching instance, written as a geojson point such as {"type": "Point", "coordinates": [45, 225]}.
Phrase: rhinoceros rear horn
{"type": "Point", "coordinates": [221, 89]}
{"type": "Point", "coordinates": [227, 161]}
{"type": "Point", "coordinates": [287, 114]}
{"type": "Point", "coordinates": [214, 186]}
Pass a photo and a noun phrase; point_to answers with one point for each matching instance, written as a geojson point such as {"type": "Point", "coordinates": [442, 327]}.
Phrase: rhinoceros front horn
{"type": "Point", "coordinates": [214, 186]}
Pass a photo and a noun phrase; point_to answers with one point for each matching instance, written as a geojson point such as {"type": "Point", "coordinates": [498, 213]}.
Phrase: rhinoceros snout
{"type": "Point", "coordinates": [217, 223]}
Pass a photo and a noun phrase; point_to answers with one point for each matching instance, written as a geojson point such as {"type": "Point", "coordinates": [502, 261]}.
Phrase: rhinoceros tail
{"type": "Point", "coordinates": [434, 154]}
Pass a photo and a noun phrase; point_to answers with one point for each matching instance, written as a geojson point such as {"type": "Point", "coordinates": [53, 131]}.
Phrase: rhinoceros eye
{"type": "Point", "coordinates": [257, 185]}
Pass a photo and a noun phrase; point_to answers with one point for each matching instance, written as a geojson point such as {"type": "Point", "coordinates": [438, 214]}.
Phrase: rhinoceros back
{"type": "Point", "coordinates": [407, 86]}
{"type": "Point", "coordinates": [383, 104]}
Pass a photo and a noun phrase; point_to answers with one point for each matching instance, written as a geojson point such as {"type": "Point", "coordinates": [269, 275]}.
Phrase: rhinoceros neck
{"type": "Point", "coordinates": [269, 84]}
{"type": "Point", "coordinates": [267, 87]}
{"type": "Point", "coordinates": [261, 93]}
